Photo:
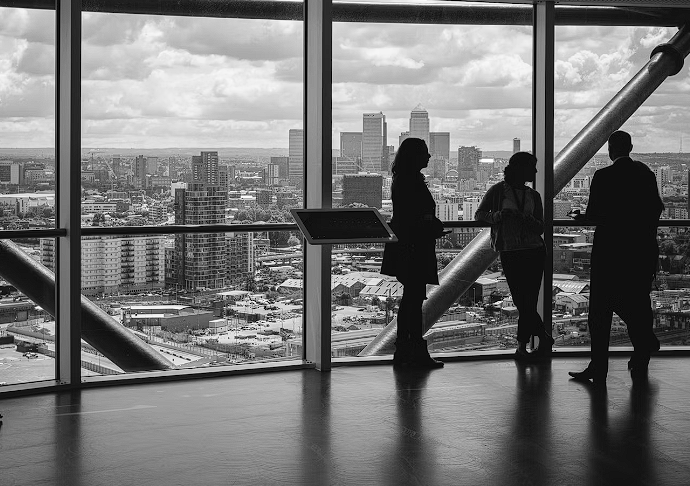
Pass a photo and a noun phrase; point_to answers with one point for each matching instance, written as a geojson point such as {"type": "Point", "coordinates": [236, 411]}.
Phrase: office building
{"type": "Point", "coordinates": [516, 145]}
{"type": "Point", "coordinates": [296, 154]}
{"type": "Point", "coordinates": [468, 162]}
{"type": "Point", "coordinates": [272, 174]}
{"type": "Point", "coordinates": [151, 165]}
{"type": "Point", "coordinates": [419, 124]}
{"type": "Point", "coordinates": [437, 167]}
{"type": "Point", "coordinates": [374, 140]}
{"type": "Point", "coordinates": [469, 207]}
{"type": "Point", "coordinates": [198, 259]}
{"type": "Point", "coordinates": [363, 188]}
{"type": "Point", "coordinates": [439, 145]}
{"type": "Point", "coordinates": [116, 264]}
{"type": "Point", "coordinates": [345, 165]}
{"type": "Point", "coordinates": [264, 197]}
{"type": "Point", "coordinates": [241, 259]}
{"type": "Point", "coordinates": [205, 168]}
{"type": "Point", "coordinates": [351, 145]}
{"type": "Point", "coordinates": [282, 163]}
{"type": "Point", "coordinates": [140, 167]}
{"type": "Point", "coordinates": [561, 208]}
{"type": "Point", "coordinates": [402, 137]}
{"type": "Point", "coordinates": [447, 208]}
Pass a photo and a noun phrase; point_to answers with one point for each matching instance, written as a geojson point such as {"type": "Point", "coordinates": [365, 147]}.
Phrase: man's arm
{"type": "Point", "coordinates": [596, 204]}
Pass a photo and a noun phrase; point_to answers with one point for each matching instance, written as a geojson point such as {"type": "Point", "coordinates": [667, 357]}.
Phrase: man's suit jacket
{"type": "Point", "coordinates": [624, 202]}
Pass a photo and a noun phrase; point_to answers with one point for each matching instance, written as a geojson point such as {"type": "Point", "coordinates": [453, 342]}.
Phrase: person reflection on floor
{"type": "Point", "coordinates": [415, 454]}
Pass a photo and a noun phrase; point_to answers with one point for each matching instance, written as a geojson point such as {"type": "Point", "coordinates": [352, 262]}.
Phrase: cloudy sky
{"type": "Point", "coordinates": [151, 82]}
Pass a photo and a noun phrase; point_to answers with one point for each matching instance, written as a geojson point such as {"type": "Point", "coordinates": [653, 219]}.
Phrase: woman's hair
{"type": "Point", "coordinates": [408, 157]}
{"type": "Point", "coordinates": [515, 164]}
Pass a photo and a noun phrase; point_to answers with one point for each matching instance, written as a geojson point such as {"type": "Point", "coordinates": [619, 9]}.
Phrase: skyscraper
{"type": "Point", "coordinates": [199, 259]}
{"type": "Point", "coordinates": [402, 137]}
{"type": "Point", "coordinates": [205, 168]}
{"type": "Point", "coordinates": [374, 139]}
{"type": "Point", "coordinates": [439, 144]}
{"type": "Point", "coordinates": [296, 154]}
{"type": "Point", "coordinates": [140, 167]}
{"type": "Point", "coordinates": [516, 145]}
{"type": "Point", "coordinates": [419, 124]}
{"type": "Point", "coordinates": [151, 165]}
{"type": "Point", "coordinates": [468, 162]}
{"type": "Point", "coordinates": [283, 163]}
{"type": "Point", "coordinates": [364, 189]}
{"type": "Point", "coordinates": [351, 145]}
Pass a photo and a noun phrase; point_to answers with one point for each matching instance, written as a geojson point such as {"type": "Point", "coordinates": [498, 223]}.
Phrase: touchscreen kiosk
{"type": "Point", "coordinates": [343, 225]}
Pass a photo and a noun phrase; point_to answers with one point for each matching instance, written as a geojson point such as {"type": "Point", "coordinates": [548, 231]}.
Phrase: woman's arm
{"type": "Point", "coordinates": [486, 211]}
{"type": "Point", "coordinates": [535, 221]}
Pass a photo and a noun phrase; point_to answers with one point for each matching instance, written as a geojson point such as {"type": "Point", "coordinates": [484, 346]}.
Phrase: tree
{"type": "Point", "coordinates": [278, 238]}
{"type": "Point", "coordinates": [668, 247]}
{"type": "Point", "coordinates": [293, 241]}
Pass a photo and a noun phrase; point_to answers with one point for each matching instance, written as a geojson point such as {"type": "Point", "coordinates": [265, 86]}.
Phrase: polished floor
{"type": "Point", "coordinates": [471, 423]}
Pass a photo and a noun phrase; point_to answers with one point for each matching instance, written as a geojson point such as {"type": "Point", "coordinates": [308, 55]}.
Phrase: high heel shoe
{"type": "Point", "coordinates": [545, 344]}
{"type": "Point", "coordinates": [427, 363]}
{"type": "Point", "coordinates": [523, 356]}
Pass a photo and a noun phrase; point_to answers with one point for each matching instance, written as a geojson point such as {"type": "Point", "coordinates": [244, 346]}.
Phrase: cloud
{"type": "Point", "coordinates": [33, 25]}
{"type": "Point", "coordinates": [264, 40]}
{"type": "Point", "coordinates": [155, 80]}
{"type": "Point", "coordinates": [37, 60]}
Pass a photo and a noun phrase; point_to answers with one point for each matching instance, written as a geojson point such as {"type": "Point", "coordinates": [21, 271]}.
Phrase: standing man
{"type": "Point", "coordinates": [625, 206]}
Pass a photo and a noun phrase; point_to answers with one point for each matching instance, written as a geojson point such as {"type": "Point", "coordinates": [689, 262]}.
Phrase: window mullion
{"type": "Point", "coordinates": [68, 150]}
{"type": "Point", "coordinates": [543, 135]}
{"type": "Point", "coordinates": [317, 177]}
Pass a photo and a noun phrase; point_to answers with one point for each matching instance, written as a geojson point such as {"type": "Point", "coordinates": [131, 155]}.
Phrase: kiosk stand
{"type": "Point", "coordinates": [326, 227]}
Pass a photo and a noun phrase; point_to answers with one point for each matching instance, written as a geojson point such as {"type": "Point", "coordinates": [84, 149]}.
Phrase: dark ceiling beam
{"type": "Point", "coordinates": [450, 13]}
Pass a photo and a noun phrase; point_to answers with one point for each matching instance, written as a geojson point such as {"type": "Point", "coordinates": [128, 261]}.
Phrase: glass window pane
{"type": "Point", "coordinates": [170, 101]}
{"type": "Point", "coordinates": [587, 77]}
{"type": "Point", "coordinates": [27, 329]}
{"type": "Point", "coordinates": [27, 118]}
{"type": "Point", "coordinates": [195, 121]}
{"type": "Point", "coordinates": [467, 91]}
{"type": "Point", "coordinates": [255, 316]}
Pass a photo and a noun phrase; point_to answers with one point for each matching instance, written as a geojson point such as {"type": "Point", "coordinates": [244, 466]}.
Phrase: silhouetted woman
{"type": "Point", "coordinates": [516, 215]}
{"type": "Point", "coordinates": [412, 260]}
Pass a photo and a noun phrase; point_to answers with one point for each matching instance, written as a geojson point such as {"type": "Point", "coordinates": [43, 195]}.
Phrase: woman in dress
{"type": "Point", "coordinates": [412, 260]}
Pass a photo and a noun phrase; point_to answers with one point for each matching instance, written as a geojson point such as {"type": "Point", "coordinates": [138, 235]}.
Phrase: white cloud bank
{"type": "Point", "coordinates": [151, 81]}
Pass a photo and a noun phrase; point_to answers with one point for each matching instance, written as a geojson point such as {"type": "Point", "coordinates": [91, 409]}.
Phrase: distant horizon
{"type": "Point", "coordinates": [115, 150]}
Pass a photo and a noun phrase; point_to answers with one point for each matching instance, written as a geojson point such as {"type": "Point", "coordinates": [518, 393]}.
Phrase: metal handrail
{"type": "Point", "coordinates": [249, 228]}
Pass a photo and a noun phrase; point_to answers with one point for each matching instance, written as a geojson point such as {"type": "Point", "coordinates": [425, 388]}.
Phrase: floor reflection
{"type": "Point", "coordinates": [620, 448]}
{"type": "Point", "coordinates": [317, 462]}
{"type": "Point", "coordinates": [528, 446]}
{"type": "Point", "coordinates": [412, 459]}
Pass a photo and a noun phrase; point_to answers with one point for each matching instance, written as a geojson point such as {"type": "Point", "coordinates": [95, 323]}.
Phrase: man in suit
{"type": "Point", "coordinates": [625, 206]}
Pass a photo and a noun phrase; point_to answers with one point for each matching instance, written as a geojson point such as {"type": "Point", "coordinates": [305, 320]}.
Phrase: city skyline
{"type": "Point", "coordinates": [166, 82]}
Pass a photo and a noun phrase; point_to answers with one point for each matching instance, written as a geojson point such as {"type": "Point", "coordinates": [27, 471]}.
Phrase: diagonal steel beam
{"type": "Point", "coordinates": [98, 329]}
{"type": "Point", "coordinates": [454, 280]}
